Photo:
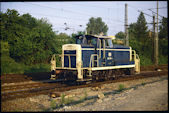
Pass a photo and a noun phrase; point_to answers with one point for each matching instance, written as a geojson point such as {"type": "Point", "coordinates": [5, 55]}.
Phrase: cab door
{"type": "Point", "coordinates": [101, 52]}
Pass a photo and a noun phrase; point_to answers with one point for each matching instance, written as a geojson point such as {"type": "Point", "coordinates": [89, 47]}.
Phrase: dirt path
{"type": "Point", "coordinates": [151, 97]}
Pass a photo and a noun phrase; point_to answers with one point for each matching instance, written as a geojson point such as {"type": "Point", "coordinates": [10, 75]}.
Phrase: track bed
{"type": "Point", "coordinates": [29, 88]}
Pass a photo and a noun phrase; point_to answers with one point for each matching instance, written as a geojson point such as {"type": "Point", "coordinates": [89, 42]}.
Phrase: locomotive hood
{"type": "Point", "coordinates": [71, 46]}
{"type": "Point", "coordinates": [73, 49]}
{"type": "Point", "coordinates": [76, 48]}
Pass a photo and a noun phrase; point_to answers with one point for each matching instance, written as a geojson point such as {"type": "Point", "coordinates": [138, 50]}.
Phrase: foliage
{"type": "Point", "coordinates": [41, 67]}
{"type": "Point", "coordinates": [163, 42]}
{"type": "Point", "coordinates": [29, 38]}
{"type": "Point", "coordinates": [163, 46]}
{"type": "Point", "coordinates": [29, 41]}
{"type": "Point", "coordinates": [4, 48]}
{"type": "Point", "coordinates": [121, 87]}
{"type": "Point", "coordinates": [143, 44]}
{"type": "Point", "coordinates": [143, 83]}
{"type": "Point", "coordinates": [120, 35]}
{"type": "Point", "coordinates": [75, 34]}
{"type": "Point", "coordinates": [163, 28]}
{"type": "Point", "coordinates": [163, 59]}
{"type": "Point", "coordinates": [95, 26]}
{"type": "Point", "coordinates": [8, 65]}
{"type": "Point", "coordinates": [145, 60]}
{"type": "Point", "coordinates": [63, 99]}
{"type": "Point", "coordinates": [141, 28]}
{"type": "Point", "coordinates": [53, 104]}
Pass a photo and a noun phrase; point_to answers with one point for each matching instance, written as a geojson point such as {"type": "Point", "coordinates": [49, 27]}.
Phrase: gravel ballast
{"type": "Point", "coordinates": [148, 94]}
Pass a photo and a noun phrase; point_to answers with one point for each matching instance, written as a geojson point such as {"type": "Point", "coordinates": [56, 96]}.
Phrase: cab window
{"type": "Point", "coordinates": [94, 41]}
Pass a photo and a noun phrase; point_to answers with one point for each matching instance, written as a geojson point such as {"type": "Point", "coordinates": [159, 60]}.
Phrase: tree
{"type": "Point", "coordinates": [73, 36]}
{"type": "Point", "coordinates": [95, 26]}
{"type": "Point", "coordinates": [163, 28]}
{"type": "Point", "coordinates": [30, 40]}
{"type": "Point", "coordinates": [120, 35]}
{"type": "Point", "coordinates": [141, 28]}
{"type": "Point", "coordinates": [132, 31]}
{"type": "Point", "coordinates": [163, 37]}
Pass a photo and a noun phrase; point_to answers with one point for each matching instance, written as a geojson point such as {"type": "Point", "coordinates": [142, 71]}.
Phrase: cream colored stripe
{"type": "Point", "coordinates": [107, 49]}
{"type": "Point", "coordinates": [112, 67]}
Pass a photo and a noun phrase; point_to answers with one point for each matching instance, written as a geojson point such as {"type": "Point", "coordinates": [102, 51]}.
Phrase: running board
{"type": "Point", "coordinates": [83, 80]}
{"type": "Point", "coordinates": [112, 67]}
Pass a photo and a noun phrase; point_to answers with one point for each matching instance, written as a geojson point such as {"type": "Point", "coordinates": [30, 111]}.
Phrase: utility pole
{"type": "Point", "coordinates": [126, 26]}
{"type": "Point", "coordinates": [154, 35]}
{"type": "Point", "coordinates": [156, 41]}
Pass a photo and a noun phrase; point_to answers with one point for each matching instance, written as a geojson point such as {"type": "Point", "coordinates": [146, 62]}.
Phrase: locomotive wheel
{"type": "Point", "coordinates": [95, 76]}
{"type": "Point", "coordinates": [129, 71]}
{"type": "Point", "coordinates": [111, 74]}
{"type": "Point", "coordinates": [132, 71]}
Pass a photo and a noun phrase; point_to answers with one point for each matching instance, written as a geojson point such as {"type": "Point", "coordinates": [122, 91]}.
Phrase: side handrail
{"type": "Point", "coordinates": [92, 60]}
{"type": "Point", "coordinates": [137, 57]}
{"type": "Point", "coordinates": [133, 54]}
{"type": "Point", "coordinates": [53, 62]}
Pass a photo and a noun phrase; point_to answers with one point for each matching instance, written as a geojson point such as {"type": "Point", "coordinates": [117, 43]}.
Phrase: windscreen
{"type": "Point", "coordinates": [91, 41]}
{"type": "Point", "coordinates": [110, 43]}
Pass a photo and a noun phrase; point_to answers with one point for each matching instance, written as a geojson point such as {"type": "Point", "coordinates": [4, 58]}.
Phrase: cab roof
{"type": "Point", "coordinates": [95, 36]}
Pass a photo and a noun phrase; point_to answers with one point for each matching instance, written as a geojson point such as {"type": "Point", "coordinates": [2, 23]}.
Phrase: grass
{"type": "Point", "coordinates": [121, 87]}
{"type": "Point", "coordinates": [143, 83]}
{"type": "Point", "coordinates": [163, 59]}
{"type": "Point", "coordinates": [9, 66]}
{"type": "Point", "coordinates": [67, 101]}
{"type": "Point", "coordinates": [147, 60]}
{"type": "Point", "coordinates": [37, 68]}
{"type": "Point", "coordinates": [63, 100]}
{"type": "Point", "coordinates": [53, 104]}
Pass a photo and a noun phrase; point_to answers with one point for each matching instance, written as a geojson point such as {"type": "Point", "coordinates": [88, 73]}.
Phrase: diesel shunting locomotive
{"type": "Point", "coordinates": [94, 57]}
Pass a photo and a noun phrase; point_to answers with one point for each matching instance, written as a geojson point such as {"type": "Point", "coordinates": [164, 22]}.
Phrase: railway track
{"type": "Point", "coordinates": [9, 92]}
{"type": "Point", "coordinates": [29, 77]}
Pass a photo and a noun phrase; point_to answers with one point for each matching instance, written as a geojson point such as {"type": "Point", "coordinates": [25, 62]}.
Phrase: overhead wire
{"type": "Point", "coordinates": [78, 12]}
{"type": "Point", "coordinates": [141, 11]}
{"type": "Point", "coordinates": [84, 14]}
{"type": "Point", "coordinates": [155, 13]}
{"type": "Point", "coordinates": [92, 15]}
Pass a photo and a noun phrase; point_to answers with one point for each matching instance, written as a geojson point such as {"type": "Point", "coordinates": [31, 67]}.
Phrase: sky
{"type": "Point", "coordinates": [76, 14]}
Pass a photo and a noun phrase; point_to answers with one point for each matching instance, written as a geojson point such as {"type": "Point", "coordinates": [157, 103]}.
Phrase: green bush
{"type": "Point", "coordinates": [145, 60]}
{"type": "Point", "coordinates": [8, 65]}
{"type": "Point", "coordinates": [37, 68]}
{"type": "Point", "coordinates": [53, 104]}
{"type": "Point", "coordinates": [163, 59]}
{"type": "Point", "coordinates": [63, 99]}
{"type": "Point", "coordinates": [121, 87]}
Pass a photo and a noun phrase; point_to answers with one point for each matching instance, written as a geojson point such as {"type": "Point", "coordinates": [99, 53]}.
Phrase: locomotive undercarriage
{"type": "Point", "coordinates": [99, 75]}
{"type": "Point", "coordinates": [65, 75]}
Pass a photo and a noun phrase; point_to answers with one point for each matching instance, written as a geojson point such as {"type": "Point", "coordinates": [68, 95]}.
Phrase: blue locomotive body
{"type": "Point", "coordinates": [93, 53]}
{"type": "Point", "coordinates": [113, 56]}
